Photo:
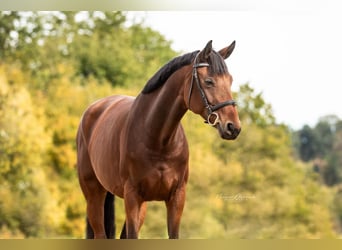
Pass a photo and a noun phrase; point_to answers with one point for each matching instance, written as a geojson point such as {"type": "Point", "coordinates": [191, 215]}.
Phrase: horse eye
{"type": "Point", "coordinates": [209, 82]}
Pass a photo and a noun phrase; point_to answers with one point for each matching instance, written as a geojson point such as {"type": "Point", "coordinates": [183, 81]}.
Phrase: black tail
{"type": "Point", "coordinates": [109, 217]}
{"type": "Point", "coordinates": [123, 234]}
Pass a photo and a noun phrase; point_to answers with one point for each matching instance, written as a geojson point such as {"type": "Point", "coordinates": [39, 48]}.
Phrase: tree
{"type": "Point", "coordinates": [307, 143]}
{"type": "Point", "coordinates": [325, 137]}
{"type": "Point", "coordinates": [322, 144]}
{"type": "Point", "coordinates": [22, 144]}
{"type": "Point", "coordinates": [333, 171]}
{"type": "Point", "coordinates": [252, 107]}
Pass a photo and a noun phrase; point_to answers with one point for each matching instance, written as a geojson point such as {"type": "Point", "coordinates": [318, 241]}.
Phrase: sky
{"type": "Point", "coordinates": [292, 56]}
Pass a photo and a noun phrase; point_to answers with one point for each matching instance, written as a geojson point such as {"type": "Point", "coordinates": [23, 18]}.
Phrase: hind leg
{"type": "Point", "coordinates": [95, 214]}
{"type": "Point", "coordinates": [93, 192]}
{"type": "Point", "coordinates": [95, 196]}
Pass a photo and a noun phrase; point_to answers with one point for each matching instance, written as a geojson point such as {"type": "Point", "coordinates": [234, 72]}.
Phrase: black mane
{"type": "Point", "coordinates": [167, 70]}
{"type": "Point", "coordinates": [216, 66]}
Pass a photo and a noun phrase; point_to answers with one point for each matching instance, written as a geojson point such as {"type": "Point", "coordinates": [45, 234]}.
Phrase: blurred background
{"type": "Point", "coordinates": [280, 179]}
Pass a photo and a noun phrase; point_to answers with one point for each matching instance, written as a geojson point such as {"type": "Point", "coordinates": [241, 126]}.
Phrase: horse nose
{"type": "Point", "coordinates": [232, 129]}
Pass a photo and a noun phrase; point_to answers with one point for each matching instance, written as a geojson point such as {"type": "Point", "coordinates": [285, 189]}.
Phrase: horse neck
{"type": "Point", "coordinates": [162, 110]}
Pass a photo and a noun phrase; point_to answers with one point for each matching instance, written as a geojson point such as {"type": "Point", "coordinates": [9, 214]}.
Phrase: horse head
{"type": "Point", "coordinates": [209, 93]}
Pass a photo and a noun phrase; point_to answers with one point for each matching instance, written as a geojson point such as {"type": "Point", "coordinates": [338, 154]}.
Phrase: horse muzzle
{"type": "Point", "coordinates": [229, 130]}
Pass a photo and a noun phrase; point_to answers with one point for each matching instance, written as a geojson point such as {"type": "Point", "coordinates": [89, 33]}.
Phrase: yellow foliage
{"type": "Point", "coordinates": [6, 233]}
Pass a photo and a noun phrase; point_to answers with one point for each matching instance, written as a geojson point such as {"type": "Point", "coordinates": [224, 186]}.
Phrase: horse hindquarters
{"type": "Point", "coordinates": [100, 203]}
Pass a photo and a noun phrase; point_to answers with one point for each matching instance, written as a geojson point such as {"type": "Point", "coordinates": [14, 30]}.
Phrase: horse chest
{"type": "Point", "coordinates": [159, 179]}
{"type": "Point", "coordinates": [158, 184]}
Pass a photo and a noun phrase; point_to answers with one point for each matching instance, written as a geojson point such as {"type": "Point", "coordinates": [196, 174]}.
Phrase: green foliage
{"type": "Point", "coordinates": [96, 44]}
{"type": "Point", "coordinates": [253, 107]}
{"type": "Point", "coordinates": [307, 143]}
{"type": "Point", "coordinates": [54, 64]}
{"type": "Point", "coordinates": [322, 144]}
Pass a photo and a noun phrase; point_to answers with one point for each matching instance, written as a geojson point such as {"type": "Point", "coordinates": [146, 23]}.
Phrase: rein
{"type": "Point", "coordinates": [213, 117]}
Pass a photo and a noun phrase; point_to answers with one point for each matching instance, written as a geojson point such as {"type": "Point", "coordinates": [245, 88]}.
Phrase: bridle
{"type": "Point", "coordinates": [213, 117]}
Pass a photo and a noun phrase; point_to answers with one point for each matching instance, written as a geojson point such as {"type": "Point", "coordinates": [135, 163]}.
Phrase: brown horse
{"type": "Point", "coordinates": [135, 148]}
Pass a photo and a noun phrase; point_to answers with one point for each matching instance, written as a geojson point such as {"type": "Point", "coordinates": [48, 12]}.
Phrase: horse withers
{"type": "Point", "coordinates": [136, 149]}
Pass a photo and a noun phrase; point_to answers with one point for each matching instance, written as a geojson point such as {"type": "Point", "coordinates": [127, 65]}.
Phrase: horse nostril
{"type": "Point", "coordinates": [231, 130]}
{"type": "Point", "coordinates": [230, 127]}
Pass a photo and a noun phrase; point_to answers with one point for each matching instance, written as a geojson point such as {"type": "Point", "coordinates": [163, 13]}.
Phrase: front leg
{"type": "Point", "coordinates": [142, 215]}
{"type": "Point", "coordinates": [135, 209]}
{"type": "Point", "coordinates": [175, 207]}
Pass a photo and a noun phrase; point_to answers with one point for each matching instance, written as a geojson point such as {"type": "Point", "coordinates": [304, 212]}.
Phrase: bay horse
{"type": "Point", "coordinates": [135, 148]}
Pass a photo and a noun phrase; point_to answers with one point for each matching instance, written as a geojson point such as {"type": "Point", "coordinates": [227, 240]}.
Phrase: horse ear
{"type": "Point", "coordinates": [226, 52]}
{"type": "Point", "coordinates": [204, 54]}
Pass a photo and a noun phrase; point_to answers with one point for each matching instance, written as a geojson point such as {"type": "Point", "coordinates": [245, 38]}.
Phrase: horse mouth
{"type": "Point", "coordinates": [229, 134]}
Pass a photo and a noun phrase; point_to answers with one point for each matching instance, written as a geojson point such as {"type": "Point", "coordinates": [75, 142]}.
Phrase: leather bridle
{"type": "Point", "coordinates": [213, 117]}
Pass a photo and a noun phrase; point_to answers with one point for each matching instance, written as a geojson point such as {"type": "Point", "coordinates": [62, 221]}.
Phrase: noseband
{"type": "Point", "coordinates": [213, 117]}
